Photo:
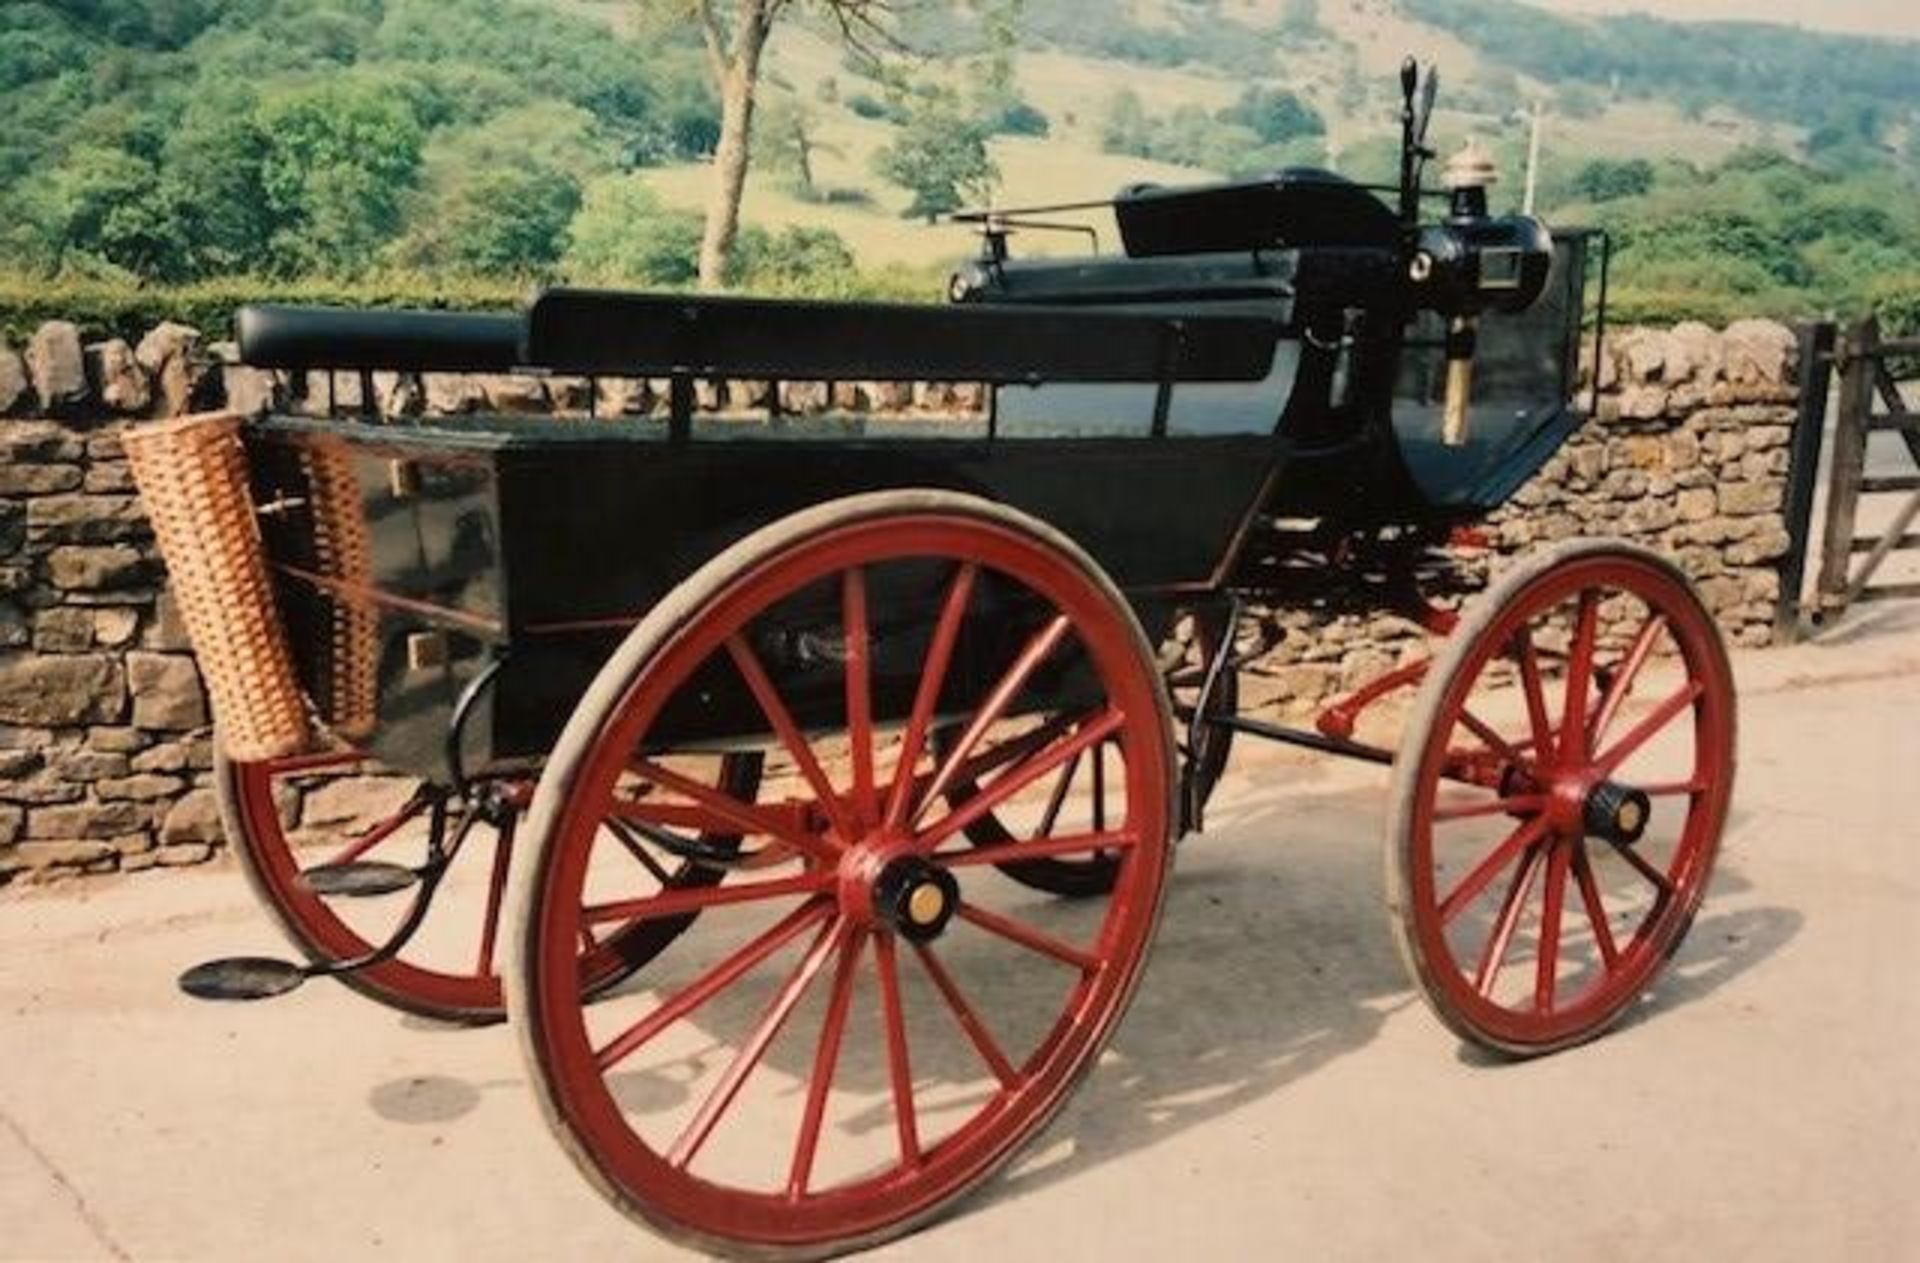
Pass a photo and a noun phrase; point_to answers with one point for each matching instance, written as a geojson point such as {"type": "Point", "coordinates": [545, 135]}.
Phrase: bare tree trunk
{"type": "Point", "coordinates": [730, 160]}
{"type": "Point", "coordinates": [737, 70]}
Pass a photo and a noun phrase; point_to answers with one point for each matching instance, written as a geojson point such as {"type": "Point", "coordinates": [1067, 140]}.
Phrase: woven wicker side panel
{"type": "Point", "coordinates": [343, 551]}
{"type": "Point", "coordinates": [192, 473]}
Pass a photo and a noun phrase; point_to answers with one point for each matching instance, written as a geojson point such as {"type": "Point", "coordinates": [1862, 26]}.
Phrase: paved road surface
{"type": "Point", "coordinates": [1277, 1091]}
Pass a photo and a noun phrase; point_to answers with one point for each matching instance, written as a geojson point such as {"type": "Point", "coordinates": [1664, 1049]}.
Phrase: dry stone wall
{"type": "Point", "coordinates": [105, 751]}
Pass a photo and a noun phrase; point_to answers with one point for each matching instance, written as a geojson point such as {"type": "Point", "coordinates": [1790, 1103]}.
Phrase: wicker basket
{"type": "Point", "coordinates": [347, 689]}
{"type": "Point", "coordinates": [192, 473]}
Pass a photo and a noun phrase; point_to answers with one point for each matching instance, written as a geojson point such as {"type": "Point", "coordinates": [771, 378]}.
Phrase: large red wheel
{"type": "Point", "coordinates": [1558, 801]}
{"type": "Point", "coordinates": [290, 817]}
{"type": "Point", "coordinates": [848, 1041]}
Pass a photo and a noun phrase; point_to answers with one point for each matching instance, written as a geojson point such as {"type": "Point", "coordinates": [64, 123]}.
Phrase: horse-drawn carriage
{"type": "Point", "coordinates": [806, 792]}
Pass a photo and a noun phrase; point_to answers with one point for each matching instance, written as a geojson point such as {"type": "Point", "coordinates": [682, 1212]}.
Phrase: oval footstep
{"type": "Point", "coordinates": [365, 879]}
{"type": "Point", "coordinates": [242, 978]}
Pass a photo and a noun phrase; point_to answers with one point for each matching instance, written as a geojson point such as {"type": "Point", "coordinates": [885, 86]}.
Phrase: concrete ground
{"type": "Point", "coordinates": [1277, 1090]}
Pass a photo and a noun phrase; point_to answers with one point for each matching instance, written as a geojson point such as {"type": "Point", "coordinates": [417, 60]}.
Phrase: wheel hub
{"type": "Point", "coordinates": [916, 898]}
{"type": "Point", "coordinates": [1618, 812]}
{"type": "Point", "coordinates": [890, 885]}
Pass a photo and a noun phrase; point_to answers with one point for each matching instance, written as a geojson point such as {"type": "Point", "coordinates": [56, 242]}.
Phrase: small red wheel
{"type": "Point", "coordinates": [1184, 660]}
{"type": "Point", "coordinates": [289, 817]}
{"type": "Point", "coordinates": [1558, 801]}
{"type": "Point", "coordinates": [739, 1103]}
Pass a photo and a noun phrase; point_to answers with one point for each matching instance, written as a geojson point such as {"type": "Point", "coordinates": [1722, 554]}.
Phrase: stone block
{"type": "Point", "coordinates": [249, 391]}
{"type": "Point", "coordinates": [57, 364]}
{"type": "Point", "coordinates": [38, 480]}
{"type": "Point", "coordinates": [89, 765]}
{"type": "Point", "coordinates": [14, 628]}
{"type": "Point", "coordinates": [86, 820]}
{"type": "Point", "coordinates": [59, 691]}
{"type": "Point", "coordinates": [1770, 543]}
{"type": "Point", "coordinates": [14, 383]}
{"type": "Point", "coordinates": [354, 798]}
{"type": "Point", "coordinates": [68, 853]}
{"type": "Point", "coordinates": [98, 569]}
{"type": "Point", "coordinates": [194, 819]}
{"type": "Point", "coordinates": [115, 627]}
{"type": "Point", "coordinates": [88, 519]}
{"type": "Point", "coordinates": [47, 442]}
{"type": "Point", "coordinates": [1759, 352]}
{"type": "Point", "coordinates": [116, 740]}
{"type": "Point", "coordinates": [172, 353]}
{"type": "Point", "coordinates": [167, 631]}
{"type": "Point", "coordinates": [171, 756]}
{"type": "Point", "coordinates": [13, 821]}
{"type": "Point", "coordinates": [109, 477]}
{"type": "Point", "coordinates": [167, 695]}
{"type": "Point", "coordinates": [117, 378]}
{"type": "Point", "coordinates": [63, 629]}
{"type": "Point", "coordinates": [145, 787]}
{"type": "Point", "coordinates": [1743, 499]}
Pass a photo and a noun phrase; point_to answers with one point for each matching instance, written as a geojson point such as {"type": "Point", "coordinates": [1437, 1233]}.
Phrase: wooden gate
{"type": "Point", "coordinates": [1872, 372]}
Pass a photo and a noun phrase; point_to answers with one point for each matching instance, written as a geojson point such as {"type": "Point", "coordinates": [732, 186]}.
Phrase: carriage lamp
{"type": "Point", "coordinates": [1471, 264]}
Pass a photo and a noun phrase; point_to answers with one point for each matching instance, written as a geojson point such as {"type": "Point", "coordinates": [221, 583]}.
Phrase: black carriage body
{"type": "Point", "coordinates": [1150, 407]}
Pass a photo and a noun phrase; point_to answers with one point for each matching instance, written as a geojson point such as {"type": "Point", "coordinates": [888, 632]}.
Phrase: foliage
{"type": "Point", "coordinates": [794, 259]}
{"type": "Point", "coordinates": [169, 140]}
{"type": "Point", "coordinates": [940, 157]}
{"type": "Point", "coordinates": [622, 235]}
{"type": "Point", "coordinates": [1604, 180]}
{"type": "Point", "coordinates": [1769, 72]}
{"type": "Point", "coordinates": [1219, 142]}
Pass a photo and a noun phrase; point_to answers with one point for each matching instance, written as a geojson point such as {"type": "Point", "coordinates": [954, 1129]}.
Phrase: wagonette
{"type": "Point", "coordinates": [806, 793]}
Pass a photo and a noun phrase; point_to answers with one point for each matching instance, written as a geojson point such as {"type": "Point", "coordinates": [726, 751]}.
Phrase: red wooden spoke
{"type": "Point", "coordinates": [970, 1022]}
{"type": "Point", "coordinates": [826, 1058]}
{"type": "Point", "coordinates": [899, 1066]}
{"type": "Point", "coordinates": [747, 1059]}
{"type": "Point", "coordinates": [1012, 782]}
{"type": "Point", "coordinates": [587, 941]}
{"type": "Point", "coordinates": [1596, 907]}
{"type": "Point", "coordinates": [1573, 724]}
{"type": "Point", "coordinates": [1638, 862]}
{"type": "Point", "coordinates": [1530, 684]}
{"type": "Point", "coordinates": [1519, 805]}
{"type": "Point", "coordinates": [1057, 799]}
{"type": "Point", "coordinates": [679, 902]}
{"type": "Point", "coordinates": [1642, 732]}
{"type": "Point", "coordinates": [932, 676]}
{"type": "Point", "coordinates": [496, 888]}
{"type": "Point", "coordinates": [637, 849]}
{"type": "Point", "coordinates": [1004, 752]}
{"type": "Point", "coordinates": [1552, 901]}
{"type": "Point", "coordinates": [791, 737]}
{"type": "Point", "coordinates": [1622, 684]}
{"type": "Point", "coordinates": [1031, 656]}
{"type": "Point", "coordinates": [1476, 881]}
{"type": "Point", "coordinates": [1025, 935]}
{"type": "Point", "coordinates": [711, 983]}
{"type": "Point", "coordinates": [1039, 848]}
{"type": "Point", "coordinates": [859, 672]}
{"type": "Point", "coordinates": [379, 833]}
{"type": "Point", "coordinates": [1491, 739]}
{"type": "Point", "coordinates": [738, 814]}
{"type": "Point", "coordinates": [1494, 954]}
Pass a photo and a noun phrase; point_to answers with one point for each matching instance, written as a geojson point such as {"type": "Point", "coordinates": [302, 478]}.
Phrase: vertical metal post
{"type": "Point", "coordinates": [1803, 473]}
{"type": "Point", "coordinates": [680, 408]}
{"type": "Point", "coordinates": [1849, 463]}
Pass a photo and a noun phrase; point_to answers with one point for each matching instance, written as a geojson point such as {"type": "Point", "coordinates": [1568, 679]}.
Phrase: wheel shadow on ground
{"type": "Point", "coordinates": [1274, 959]}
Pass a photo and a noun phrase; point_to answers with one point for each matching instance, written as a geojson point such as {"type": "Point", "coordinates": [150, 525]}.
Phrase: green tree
{"type": "Point", "coordinates": [1604, 180]}
{"type": "Point", "coordinates": [622, 235]}
{"type": "Point", "coordinates": [1275, 115]}
{"type": "Point", "coordinates": [340, 159]}
{"type": "Point", "coordinates": [940, 157]}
